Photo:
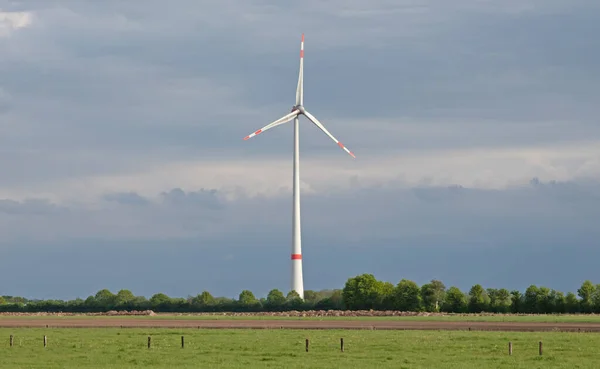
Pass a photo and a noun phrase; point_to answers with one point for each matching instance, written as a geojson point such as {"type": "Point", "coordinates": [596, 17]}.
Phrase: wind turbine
{"type": "Point", "coordinates": [297, 110]}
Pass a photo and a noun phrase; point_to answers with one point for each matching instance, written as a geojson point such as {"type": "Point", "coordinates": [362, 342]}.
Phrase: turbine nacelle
{"type": "Point", "coordinates": [298, 108]}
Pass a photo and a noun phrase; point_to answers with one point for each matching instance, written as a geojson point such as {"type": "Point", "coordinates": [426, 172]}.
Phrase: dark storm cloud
{"type": "Point", "coordinates": [125, 76]}
{"type": "Point", "coordinates": [501, 238]}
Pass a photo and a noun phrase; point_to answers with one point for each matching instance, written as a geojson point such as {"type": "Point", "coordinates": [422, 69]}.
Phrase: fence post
{"type": "Point", "coordinates": [342, 344]}
{"type": "Point", "coordinates": [510, 348]}
{"type": "Point", "coordinates": [182, 342]}
{"type": "Point", "coordinates": [11, 340]}
{"type": "Point", "coordinates": [307, 345]}
{"type": "Point", "coordinates": [45, 341]}
{"type": "Point", "coordinates": [540, 348]}
{"type": "Point", "coordinates": [149, 341]}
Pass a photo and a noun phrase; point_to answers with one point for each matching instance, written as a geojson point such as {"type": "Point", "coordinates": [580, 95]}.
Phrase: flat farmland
{"type": "Point", "coordinates": [567, 323]}
{"type": "Point", "coordinates": [249, 348]}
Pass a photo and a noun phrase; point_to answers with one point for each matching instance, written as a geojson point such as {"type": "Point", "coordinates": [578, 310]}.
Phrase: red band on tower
{"type": "Point", "coordinates": [296, 256]}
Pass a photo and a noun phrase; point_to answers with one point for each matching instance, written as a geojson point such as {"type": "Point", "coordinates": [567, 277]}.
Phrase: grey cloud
{"type": "Point", "coordinates": [126, 198]}
{"type": "Point", "coordinates": [407, 212]}
{"type": "Point", "coordinates": [416, 233]}
{"type": "Point", "coordinates": [30, 207]}
{"type": "Point", "coordinates": [119, 81]}
{"type": "Point", "coordinates": [205, 198]}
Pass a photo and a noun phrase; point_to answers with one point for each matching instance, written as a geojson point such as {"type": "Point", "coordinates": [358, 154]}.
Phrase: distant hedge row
{"type": "Point", "coordinates": [359, 293]}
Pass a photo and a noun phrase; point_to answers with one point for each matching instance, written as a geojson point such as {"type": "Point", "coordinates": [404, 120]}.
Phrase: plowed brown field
{"type": "Point", "coordinates": [92, 322]}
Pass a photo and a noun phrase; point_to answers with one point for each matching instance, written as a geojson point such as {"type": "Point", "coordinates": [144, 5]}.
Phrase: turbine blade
{"type": "Point", "coordinates": [284, 119]}
{"type": "Point", "coordinates": [300, 88]}
{"type": "Point", "coordinates": [322, 128]}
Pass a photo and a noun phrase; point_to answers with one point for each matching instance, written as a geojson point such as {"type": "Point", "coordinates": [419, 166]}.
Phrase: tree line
{"type": "Point", "coordinates": [361, 292]}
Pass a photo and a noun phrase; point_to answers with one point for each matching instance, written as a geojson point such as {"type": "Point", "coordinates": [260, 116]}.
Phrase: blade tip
{"type": "Point", "coordinates": [247, 137]}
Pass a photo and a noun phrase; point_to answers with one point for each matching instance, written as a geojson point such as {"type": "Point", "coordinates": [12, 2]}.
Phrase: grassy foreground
{"type": "Point", "coordinates": [127, 348]}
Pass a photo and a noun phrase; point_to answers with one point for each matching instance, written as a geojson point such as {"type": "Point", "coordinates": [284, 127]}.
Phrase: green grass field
{"type": "Point", "coordinates": [127, 348]}
{"type": "Point", "coordinates": [581, 318]}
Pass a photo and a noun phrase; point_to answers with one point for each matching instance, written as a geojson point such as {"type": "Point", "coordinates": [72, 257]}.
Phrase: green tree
{"type": "Point", "coordinates": [360, 292]}
{"type": "Point", "coordinates": [493, 296]}
{"type": "Point", "coordinates": [432, 295]}
{"type": "Point", "coordinates": [159, 300]}
{"type": "Point", "coordinates": [14, 300]}
{"type": "Point", "coordinates": [585, 292]}
{"type": "Point", "coordinates": [335, 301]}
{"type": "Point", "coordinates": [124, 297]}
{"type": "Point", "coordinates": [311, 296]}
{"type": "Point", "coordinates": [293, 300]}
{"type": "Point", "coordinates": [292, 295]}
{"type": "Point", "coordinates": [517, 302]}
{"type": "Point", "coordinates": [571, 303]}
{"type": "Point", "coordinates": [105, 299]}
{"type": "Point", "coordinates": [247, 298]}
{"type": "Point", "coordinates": [337, 297]}
{"type": "Point", "coordinates": [455, 302]}
{"type": "Point", "coordinates": [545, 303]}
{"type": "Point", "coordinates": [531, 299]}
{"type": "Point", "coordinates": [363, 292]}
{"type": "Point", "coordinates": [275, 299]}
{"type": "Point", "coordinates": [140, 303]}
{"type": "Point", "coordinates": [77, 305]}
{"type": "Point", "coordinates": [478, 299]}
{"type": "Point", "coordinates": [205, 299]}
{"type": "Point", "coordinates": [176, 304]}
{"type": "Point", "coordinates": [558, 302]}
{"type": "Point", "coordinates": [407, 296]}
{"type": "Point", "coordinates": [387, 298]}
{"type": "Point", "coordinates": [90, 304]}
{"type": "Point", "coordinates": [502, 301]}
{"type": "Point", "coordinates": [596, 299]}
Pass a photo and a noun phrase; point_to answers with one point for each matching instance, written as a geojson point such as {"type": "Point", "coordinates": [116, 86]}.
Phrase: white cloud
{"type": "Point", "coordinates": [477, 167]}
{"type": "Point", "coordinates": [12, 21]}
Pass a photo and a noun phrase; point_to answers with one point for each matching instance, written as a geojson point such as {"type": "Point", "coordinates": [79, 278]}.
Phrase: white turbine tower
{"type": "Point", "coordinates": [298, 109]}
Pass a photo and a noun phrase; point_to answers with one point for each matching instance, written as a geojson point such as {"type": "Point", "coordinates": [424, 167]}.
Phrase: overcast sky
{"type": "Point", "coordinates": [474, 124]}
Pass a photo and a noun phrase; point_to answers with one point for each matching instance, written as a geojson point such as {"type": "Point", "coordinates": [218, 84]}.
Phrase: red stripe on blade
{"type": "Point", "coordinates": [296, 256]}
{"type": "Point", "coordinates": [257, 132]}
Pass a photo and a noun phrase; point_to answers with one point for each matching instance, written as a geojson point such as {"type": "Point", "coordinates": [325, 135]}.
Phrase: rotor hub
{"type": "Point", "coordinates": [300, 108]}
